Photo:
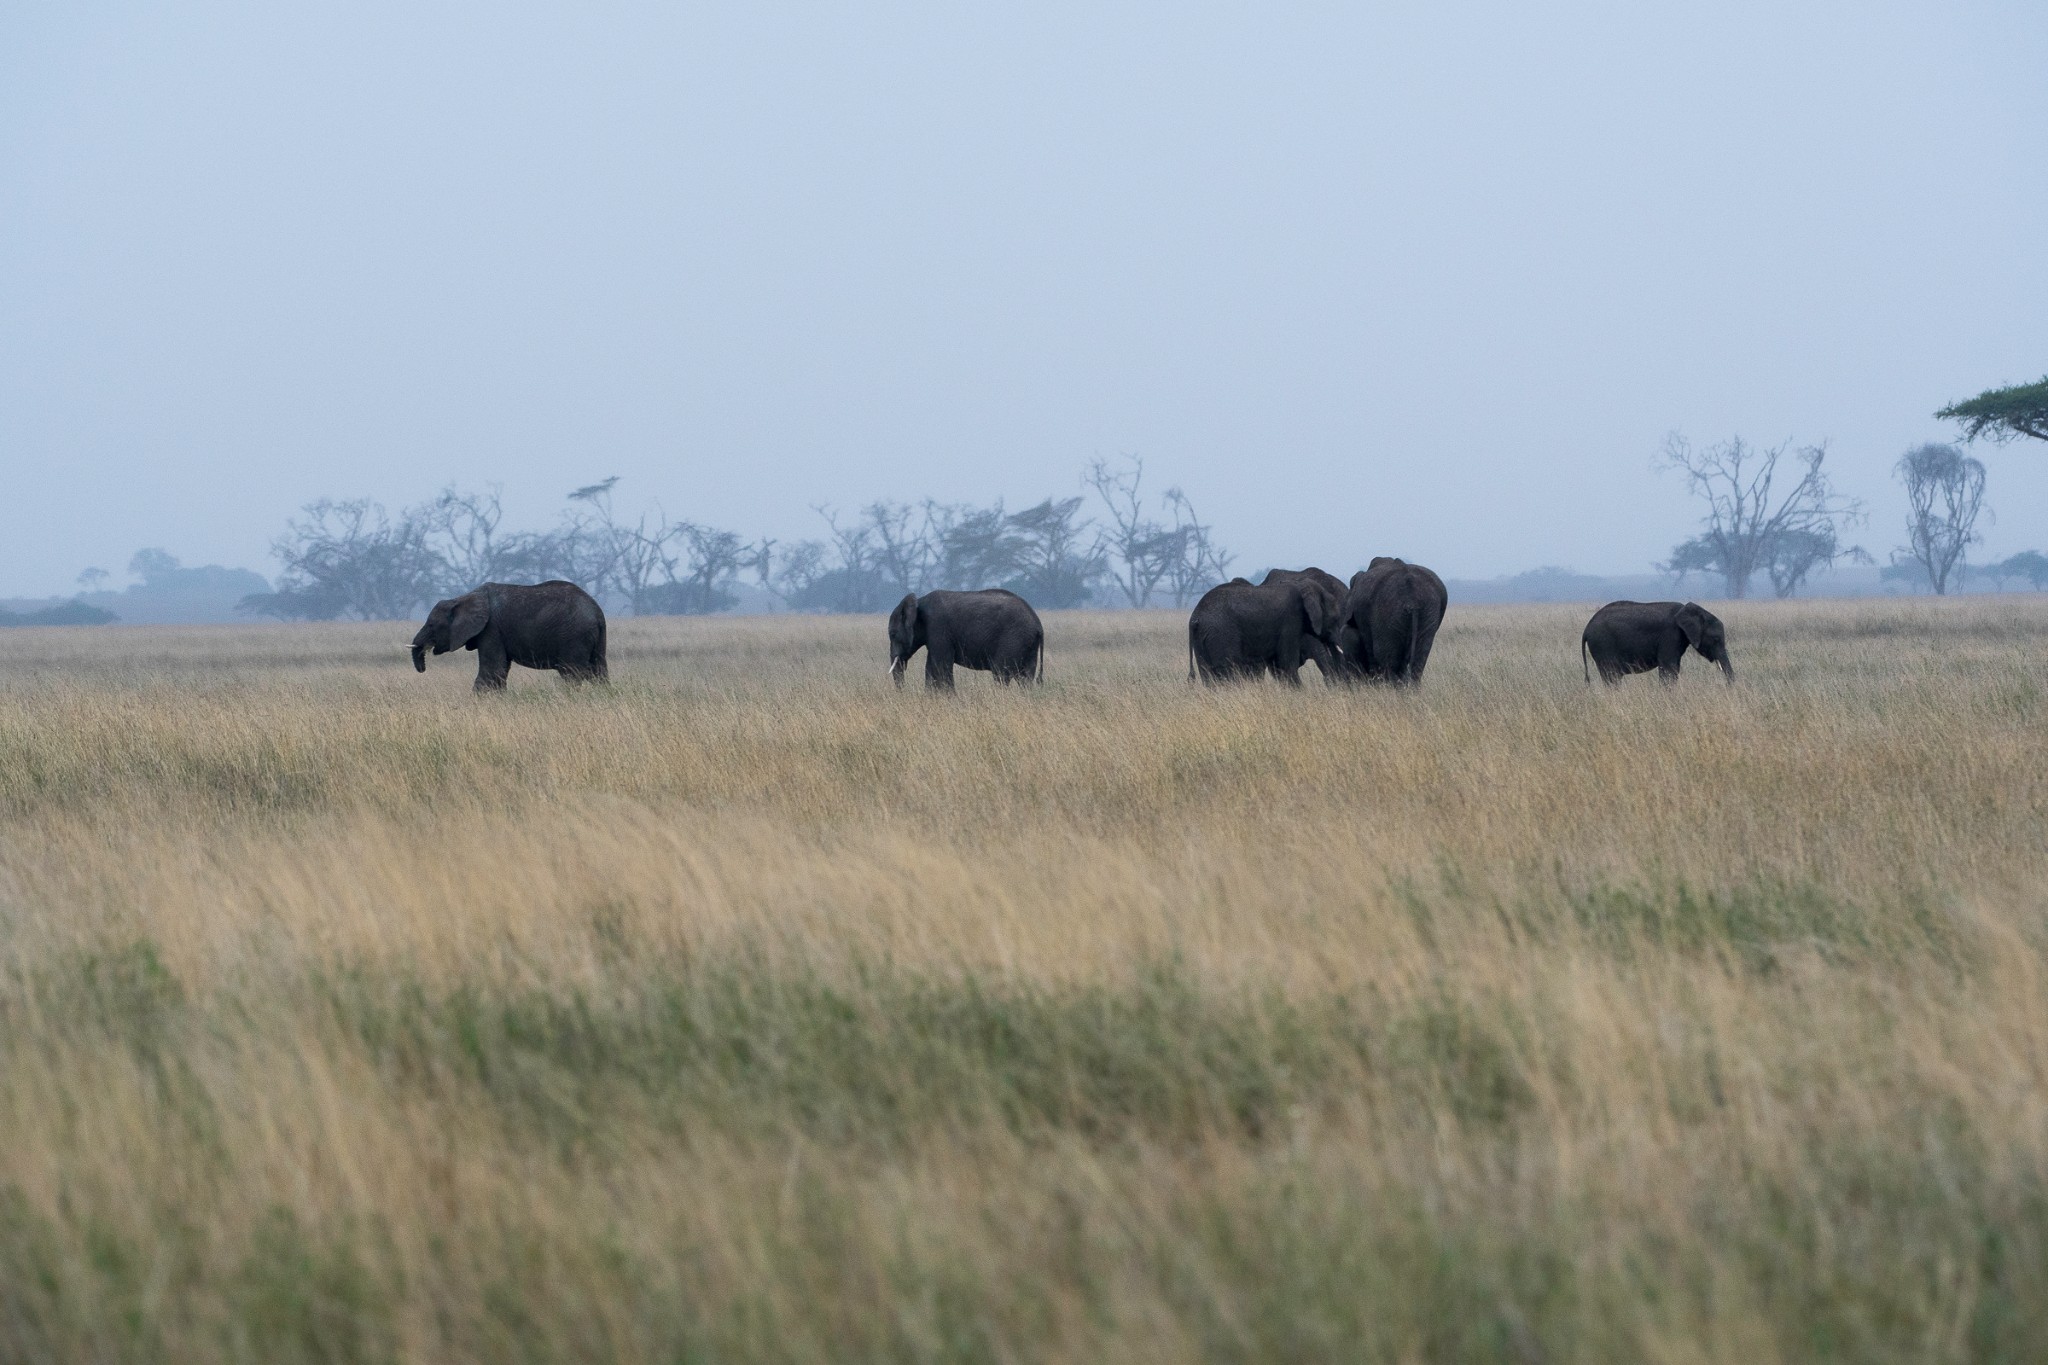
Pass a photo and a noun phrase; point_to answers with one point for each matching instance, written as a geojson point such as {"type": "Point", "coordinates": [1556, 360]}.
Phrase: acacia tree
{"type": "Point", "coordinates": [463, 530]}
{"type": "Point", "coordinates": [1054, 562]}
{"type": "Point", "coordinates": [1795, 554]}
{"type": "Point", "coordinates": [655, 566]}
{"type": "Point", "coordinates": [1138, 552]}
{"type": "Point", "coordinates": [1145, 556]}
{"type": "Point", "coordinates": [2003, 414]}
{"type": "Point", "coordinates": [1201, 563]}
{"type": "Point", "coordinates": [2031, 565]}
{"type": "Point", "coordinates": [351, 559]}
{"type": "Point", "coordinates": [1754, 522]}
{"type": "Point", "coordinates": [1944, 495]}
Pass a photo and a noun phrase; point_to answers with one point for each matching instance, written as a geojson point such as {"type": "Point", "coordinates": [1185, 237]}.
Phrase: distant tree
{"type": "Point", "coordinates": [1795, 554]}
{"type": "Point", "coordinates": [974, 547]}
{"type": "Point", "coordinates": [1697, 555]}
{"type": "Point", "coordinates": [712, 562]}
{"type": "Point", "coordinates": [348, 559]}
{"type": "Point", "coordinates": [2003, 414]}
{"type": "Point", "coordinates": [463, 530]}
{"type": "Point", "coordinates": [1910, 574]}
{"type": "Point", "coordinates": [805, 578]}
{"type": "Point", "coordinates": [1138, 552]}
{"type": "Point", "coordinates": [72, 613]}
{"type": "Point", "coordinates": [616, 561]}
{"type": "Point", "coordinates": [1750, 525]}
{"type": "Point", "coordinates": [905, 546]}
{"type": "Point", "coordinates": [1944, 496]}
{"type": "Point", "coordinates": [91, 579]}
{"type": "Point", "coordinates": [875, 559]}
{"type": "Point", "coordinates": [2030, 565]}
{"type": "Point", "coordinates": [153, 564]}
{"type": "Point", "coordinates": [1055, 561]}
{"type": "Point", "coordinates": [1144, 556]}
{"type": "Point", "coordinates": [1201, 563]}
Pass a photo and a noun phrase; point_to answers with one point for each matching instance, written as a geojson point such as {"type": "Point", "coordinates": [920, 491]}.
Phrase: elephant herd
{"type": "Point", "coordinates": [1377, 628]}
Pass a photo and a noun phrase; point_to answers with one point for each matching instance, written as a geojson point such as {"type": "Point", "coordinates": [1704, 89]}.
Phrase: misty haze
{"type": "Point", "coordinates": [953, 683]}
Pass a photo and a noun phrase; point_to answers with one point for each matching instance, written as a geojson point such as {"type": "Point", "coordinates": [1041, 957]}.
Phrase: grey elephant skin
{"type": "Point", "coordinates": [1635, 637]}
{"type": "Point", "coordinates": [992, 631]}
{"type": "Point", "coordinates": [1242, 629]}
{"type": "Point", "coordinates": [1393, 609]}
{"type": "Point", "coordinates": [1344, 657]}
{"type": "Point", "coordinates": [543, 625]}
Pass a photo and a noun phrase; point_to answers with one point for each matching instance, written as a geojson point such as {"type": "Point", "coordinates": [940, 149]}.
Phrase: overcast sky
{"type": "Point", "coordinates": [1432, 280]}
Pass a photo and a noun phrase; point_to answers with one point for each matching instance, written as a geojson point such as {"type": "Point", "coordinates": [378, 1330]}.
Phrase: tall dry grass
{"type": "Point", "coordinates": [750, 1010]}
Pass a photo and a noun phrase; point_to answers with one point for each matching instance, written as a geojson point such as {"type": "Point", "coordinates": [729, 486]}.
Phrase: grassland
{"type": "Point", "coordinates": [748, 1010]}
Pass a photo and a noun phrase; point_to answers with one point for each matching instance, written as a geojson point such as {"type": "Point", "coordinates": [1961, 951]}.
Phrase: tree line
{"type": "Point", "coordinates": [355, 559]}
{"type": "Point", "coordinates": [1772, 515]}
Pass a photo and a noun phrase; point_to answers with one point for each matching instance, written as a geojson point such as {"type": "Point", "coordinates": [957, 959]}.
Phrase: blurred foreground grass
{"type": "Point", "coordinates": [748, 1010]}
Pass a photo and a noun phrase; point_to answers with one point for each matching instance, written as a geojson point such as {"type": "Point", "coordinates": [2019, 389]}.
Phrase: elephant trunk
{"type": "Point", "coordinates": [1727, 669]}
{"type": "Point", "coordinates": [419, 658]}
{"type": "Point", "coordinates": [896, 667]}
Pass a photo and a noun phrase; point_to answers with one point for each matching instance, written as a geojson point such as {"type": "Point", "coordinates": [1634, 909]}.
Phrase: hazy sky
{"type": "Point", "coordinates": [1432, 280]}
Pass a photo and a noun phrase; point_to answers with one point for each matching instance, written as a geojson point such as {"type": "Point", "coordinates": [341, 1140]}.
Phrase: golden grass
{"type": "Point", "coordinates": [747, 1009]}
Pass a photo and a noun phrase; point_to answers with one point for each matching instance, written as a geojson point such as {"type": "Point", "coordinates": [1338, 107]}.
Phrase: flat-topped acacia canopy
{"type": "Point", "coordinates": [2001, 414]}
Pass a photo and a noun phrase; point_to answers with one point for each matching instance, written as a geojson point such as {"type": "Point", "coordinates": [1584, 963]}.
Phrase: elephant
{"type": "Point", "coordinates": [1240, 630]}
{"type": "Point", "coordinates": [1635, 637]}
{"type": "Point", "coordinates": [1394, 608]}
{"type": "Point", "coordinates": [543, 625]}
{"type": "Point", "coordinates": [1345, 655]}
{"type": "Point", "coordinates": [992, 630]}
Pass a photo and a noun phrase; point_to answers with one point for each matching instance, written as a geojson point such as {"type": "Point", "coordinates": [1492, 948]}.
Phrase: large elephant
{"type": "Point", "coordinates": [1635, 637]}
{"type": "Point", "coordinates": [1394, 608]}
{"type": "Point", "coordinates": [545, 625]}
{"type": "Point", "coordinates": [1344, 657]}
{"type": "Point", "coordinates": [1241, 629]}
{"type": "Point", "coordinates": [993, 630]}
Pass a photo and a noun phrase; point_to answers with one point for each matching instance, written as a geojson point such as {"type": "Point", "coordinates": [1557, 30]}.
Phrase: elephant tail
{"type": "Point", "coordinates": [1414, 638]}
{"type": "Point", "coordinates": [1584, 667]}
{"type": "Point", "coordinates": [1041, 660]}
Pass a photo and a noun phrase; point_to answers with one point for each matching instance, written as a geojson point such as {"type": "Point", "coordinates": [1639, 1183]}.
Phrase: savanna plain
{"type": "Point", "coordinates": [747, 1009]}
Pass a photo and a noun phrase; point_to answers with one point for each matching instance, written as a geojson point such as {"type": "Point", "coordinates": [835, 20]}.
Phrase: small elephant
{"type": "Point", "coordinates": [1635, 637]}
{"type": "Point", "coordinates": [1394, 609]}
{"type": "Point", "coordinates": [1344, 657]}
{"type": "Point", "coordinates": [992, 630]}
{"type": "Point", "coordinates": [546, 625]}
{"type": "Point", "coordinates": [1240, 630]}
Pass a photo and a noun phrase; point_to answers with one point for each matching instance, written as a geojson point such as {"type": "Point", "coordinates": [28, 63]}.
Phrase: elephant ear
{"type": "Point", "coordinates": [472, 613]}
{"type": "Point", "coordinates": [1315, 605]}
{"type": "Point", "coordinates": [1692, 620]}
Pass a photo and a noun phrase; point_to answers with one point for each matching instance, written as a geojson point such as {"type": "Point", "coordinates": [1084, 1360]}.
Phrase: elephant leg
{"type": "Point", "coordinates": [1423, 644]}
{"type": "Point", "coordinates": [1670, 651]}
{"type": "Point", "coordinates": [591, 669]}
{"type": "Point", "coordinates": [938, 672]}
{"type": "Point", "coordinates": [492, 666]}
